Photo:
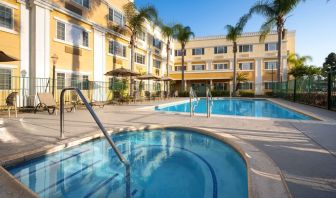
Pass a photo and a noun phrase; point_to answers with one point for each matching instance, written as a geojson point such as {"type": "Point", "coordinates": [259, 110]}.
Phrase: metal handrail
{"type": "Point", "coordinates": [192, 96]}
{"type": "Point", "coordinates": [209, 101]}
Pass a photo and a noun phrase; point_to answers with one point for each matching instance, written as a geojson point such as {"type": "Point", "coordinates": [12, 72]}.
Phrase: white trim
{"type": "Point", "coordinates": [9, 5]}
{"type": "Point", "coordinates": [67, 71]}
{"type": "Point", "coordinates": [67, 22]}
{"type": "Point", "coordinates": [71, 44]}
{"type": "Point", "coordinates": [80, 5]}
{"type": "Point", "coordinates": [11, 31]}
{"type": "Point", "coordinates": [8, 66]}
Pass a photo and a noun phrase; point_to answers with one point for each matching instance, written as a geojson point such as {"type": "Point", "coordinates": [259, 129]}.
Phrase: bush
{"type": "Point", "coordinates": [269, 94]}
{"type": "Point", "coordinates": [183, 94]}
{"type": "Point", "coordinates": [217, 93]}
{"type": "Point", "coordinates": [246, 93]}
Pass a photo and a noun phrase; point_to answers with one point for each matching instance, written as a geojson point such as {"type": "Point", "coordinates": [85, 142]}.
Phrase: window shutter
{"type": "Point", "coordinates": [202, 51]}
{"type": "Point", "coordinates": [266, 47]}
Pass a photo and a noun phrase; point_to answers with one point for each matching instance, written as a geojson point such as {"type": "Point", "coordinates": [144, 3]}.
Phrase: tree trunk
{"type": "Point", "coordinates": [234, 68]}
{"type": "Point", "coordinates": [280, 29]}
{"type": "Point", "coordinates": [167, 65]}
{"type": "Point", "coordinates": [182, 69]}
{"type": "Point", "coordinates": [132, 63]}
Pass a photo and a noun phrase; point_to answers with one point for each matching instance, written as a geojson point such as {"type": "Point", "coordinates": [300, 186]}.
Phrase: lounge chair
{"type": "Point", "coordinates": [137, 97]}
{"type": "Point", "coordinates": [94, 103]}
{"type": "Point", "coordinates": [48, 103]}
{"type": "Point", "coordinates": [11, 102]}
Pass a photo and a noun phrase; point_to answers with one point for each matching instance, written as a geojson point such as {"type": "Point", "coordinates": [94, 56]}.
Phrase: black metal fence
{"type": "Point", "coordinates": [315, 91]}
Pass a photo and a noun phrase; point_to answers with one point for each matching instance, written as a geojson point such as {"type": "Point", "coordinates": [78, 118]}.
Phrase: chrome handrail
{"type": "Point", "coordinates": [209, 101]}
{"type": "Point", "coordinates": [102, 128]}
{"type": "Point", "coordinates": [192, 96]}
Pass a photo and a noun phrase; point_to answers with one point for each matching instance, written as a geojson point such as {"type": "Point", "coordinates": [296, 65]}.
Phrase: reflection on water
{"type": "Point", "coordinates": [241, 107]}
{"type": "Point", "coordinates": [163, 164]}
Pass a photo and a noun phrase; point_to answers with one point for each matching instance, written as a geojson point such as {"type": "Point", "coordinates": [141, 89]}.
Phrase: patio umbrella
{"type": "Point", "coordinates": [6, 58]}
{"type": "Point", "coordinates": [148, 77]}
{"type": "Point", "coordinates": [166, 79]}
{"type": "Point", "coordinates": [121, 72]}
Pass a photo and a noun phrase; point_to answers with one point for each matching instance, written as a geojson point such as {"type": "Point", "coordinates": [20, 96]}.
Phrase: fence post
{"type": "Point", "coordinates": [329, 91]}
{"type": "Point", "coordinates": [294, 96]}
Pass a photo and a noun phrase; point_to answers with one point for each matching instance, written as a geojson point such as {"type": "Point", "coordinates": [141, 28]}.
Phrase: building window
{"type": "Point", "coordinates": [60, 31]}
{"type": "Point", "coordinates": [157, 43]}
{"type": "Point", "coordinates": [245, 48]}
{"type": "Point", "coordinates": [246, 86]}
{"type": "Point", "coordinates": [116, 17]}
{"type": "Point", "coordinates": [198, 51]}
{"type": "Point", "coordinates": [72, 34]}
{"type": "Point", "coordinates": [271, 65]}
{"type": "Point", "coordinates": [60, 80]}
{"type": "Point", "coordinates": [271, 46]}
{"type": "Point", "coordinates": [5, 79]}
{"type": "Point", "coordinates": [139, 58]}
{"type": "Point", "coordinates": [85, 82]}
{"type": "Point", "coordinates": [84, 3]}
{"type": "Point", "coordinates": [141, 35]}
{"type": "Point", "coordinates": [6, 17]}
{"type": "Point", "coordinates": [117, 49]}
{"type": "Point", "coordinates": [157, 64]}
{"type": "Point", "coordinates": [85, 38]}
{"type": "Point", "coordinates": [269, 85]}
{"type": "Point", "coordinates": [179, 68]}
{"type": "Point", "coordinates": [179, 52]}
{"type": "Point", "coordinates": [246, 66]}
{"type": "Point", "coordinates": [221, 66]}
{"type": "Point", "coordinates": [220, 50]}
{"type": "Point", "coordinates": [198, 67]}
{"type": "Point", "coordinates": [220, 86]}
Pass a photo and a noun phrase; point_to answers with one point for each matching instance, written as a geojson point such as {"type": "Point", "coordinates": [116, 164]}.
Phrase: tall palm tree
{"type": "Point", "coordinates": [276, 13]}
{"type": "Point", "coordinates": [168, 32]}
{"type": "Point", "coordinates": [233, 32]}
{"type": "Point", "coordinates": [183, 36]}
{"type": "Point", "coordinates": [135, 19]}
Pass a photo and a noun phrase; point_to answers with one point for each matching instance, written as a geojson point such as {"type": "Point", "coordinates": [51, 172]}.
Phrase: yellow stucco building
{"type": "Point", "coordinates": [209, 61]}
{"type": "Point", "coordinates": [80, 34]}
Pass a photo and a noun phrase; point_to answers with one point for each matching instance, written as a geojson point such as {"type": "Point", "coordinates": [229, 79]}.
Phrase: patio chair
{"type": "Point", "coordinates": [137, 97]}
{"type": "Point", "coordinates": [117, 98]}
{"type": "Point", "coordinates": [94, 103]}
{"type": "Point", "coordinates": [11, 102]}
{"type": "Point", "coordinates": [148, 95]}
{"type": "Point", "coordinates": [48, 103]}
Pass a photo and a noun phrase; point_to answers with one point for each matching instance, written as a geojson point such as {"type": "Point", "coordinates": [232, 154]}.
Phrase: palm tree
{"type": "Point", "coordinates": [276, 13]}
{"type": "Point", "coordinates": [298, 64]}
{"type": "Point", "coordinates": [183, 36]}
{"type": "Point", "coordinates": [135, 19]}
{"type": "Point", "coordinates": [241, 78]}
{"type": "Point", "coordinates": [233, 32]}
{"type": "Point", "coordinates": [168, 32]}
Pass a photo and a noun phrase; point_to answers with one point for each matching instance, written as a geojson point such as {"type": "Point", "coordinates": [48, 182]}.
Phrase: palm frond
{"type": "Point", "coordinates": [265, 8]}
{"type": "Point", "coordinates": [266, 28]}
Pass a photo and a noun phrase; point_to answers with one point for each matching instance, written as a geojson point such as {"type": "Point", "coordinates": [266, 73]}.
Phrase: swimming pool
{"type": "Point", "coordinates": [239, 107]}
{"type": "Point", "coordinates": [165, 163]}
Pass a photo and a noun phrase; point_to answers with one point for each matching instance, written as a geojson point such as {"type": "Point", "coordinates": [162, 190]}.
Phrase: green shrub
{"type": "Point", "coordinates": [183, 94]}
{"type": "Point", "coordinates": [217, 93]}
{"type": "Point", "coordinates": [269, 94]}
{"type": "Point", "coordinates": [246, 93]}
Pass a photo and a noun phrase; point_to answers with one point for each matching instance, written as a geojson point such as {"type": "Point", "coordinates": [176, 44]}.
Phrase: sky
{"type": "Point", "coordinates": [314, 21]}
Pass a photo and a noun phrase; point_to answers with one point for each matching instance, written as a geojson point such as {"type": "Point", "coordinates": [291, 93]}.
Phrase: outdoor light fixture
{"type": "Point", "coordinates": [54, 59]}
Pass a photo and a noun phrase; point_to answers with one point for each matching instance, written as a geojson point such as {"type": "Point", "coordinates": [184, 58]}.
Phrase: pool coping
{"type": "Point", "coordinates": [265, 179]}
{"type": "Point", "coordinates": [315, 118]}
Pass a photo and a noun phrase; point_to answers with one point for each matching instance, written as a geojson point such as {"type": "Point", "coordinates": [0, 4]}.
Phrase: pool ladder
{"type": "Point", "coordinates": [209, 101]}
{"type": "Point", "coordinates": [121, 158]}
{"type": "Point", "coordinates": [192, 97]}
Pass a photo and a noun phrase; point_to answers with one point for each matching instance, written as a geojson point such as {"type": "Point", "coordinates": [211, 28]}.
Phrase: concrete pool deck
{"type": "Point", "coordinates": [305, 151]}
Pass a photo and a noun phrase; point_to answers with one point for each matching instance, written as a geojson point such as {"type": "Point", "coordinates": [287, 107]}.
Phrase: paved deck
{"type": "Point", "coordinates": [305, 151]}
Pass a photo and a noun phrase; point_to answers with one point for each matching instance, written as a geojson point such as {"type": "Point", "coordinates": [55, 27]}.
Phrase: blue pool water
{"type": "Point", "coordinates": [167, 163]}
{"type": "Point", "coordinates": [239, 107]}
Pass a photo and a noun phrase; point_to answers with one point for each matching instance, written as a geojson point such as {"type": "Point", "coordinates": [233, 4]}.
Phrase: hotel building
{"type": "Point", "coordinates": [80, 34]}
{"type": "Point", "coordinates": [209, 61]}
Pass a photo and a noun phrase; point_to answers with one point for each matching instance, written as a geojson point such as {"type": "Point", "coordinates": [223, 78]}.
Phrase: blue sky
{"type": "Point", "coordinates": [314, 21]}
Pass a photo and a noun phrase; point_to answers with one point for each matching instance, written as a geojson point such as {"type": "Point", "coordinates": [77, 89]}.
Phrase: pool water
{"type": "Point", "coordinates": [239, 107]}
{"type": "Point", "coordinates": [166, 163]}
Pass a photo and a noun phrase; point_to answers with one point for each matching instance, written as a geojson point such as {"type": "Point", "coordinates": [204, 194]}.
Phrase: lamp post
{"type": "Point", "coordinates": [54, 59]}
